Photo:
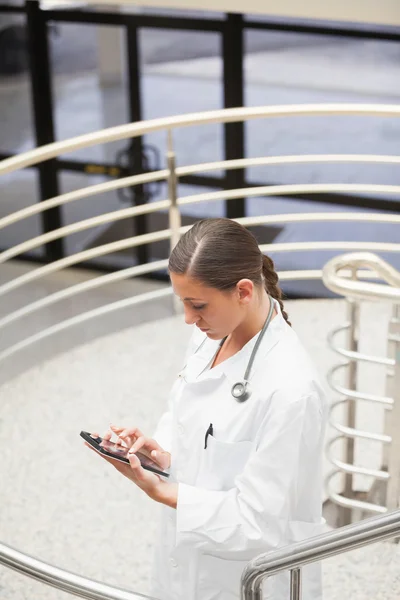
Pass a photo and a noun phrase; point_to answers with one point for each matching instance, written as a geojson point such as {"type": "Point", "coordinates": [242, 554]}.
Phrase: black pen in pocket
{"type": "Point", "coordinates": [209, 431]}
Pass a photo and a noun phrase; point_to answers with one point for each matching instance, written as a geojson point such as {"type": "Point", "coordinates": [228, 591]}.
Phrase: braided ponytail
{"type": "Point", "coordinates": [271, 283]}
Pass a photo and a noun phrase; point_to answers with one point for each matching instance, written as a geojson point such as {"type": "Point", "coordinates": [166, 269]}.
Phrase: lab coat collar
{"type": "Point", "coordinates": [234, 367]}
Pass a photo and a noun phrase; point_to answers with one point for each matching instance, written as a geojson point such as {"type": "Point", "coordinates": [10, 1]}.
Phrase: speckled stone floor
{"type": "Point", "coordinates": [59, 504]}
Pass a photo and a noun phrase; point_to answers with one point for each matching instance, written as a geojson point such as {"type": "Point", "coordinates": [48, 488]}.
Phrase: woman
{"type": "Point", "coordinates": [246, 468]}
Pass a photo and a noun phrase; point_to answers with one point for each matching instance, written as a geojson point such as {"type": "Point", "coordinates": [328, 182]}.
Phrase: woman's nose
{"type": "Point", "coordinates": [191, 316]}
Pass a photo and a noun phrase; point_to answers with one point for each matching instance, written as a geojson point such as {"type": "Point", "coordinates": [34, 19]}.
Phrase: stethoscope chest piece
{"type": "Point", "coordinates": [240, 391]}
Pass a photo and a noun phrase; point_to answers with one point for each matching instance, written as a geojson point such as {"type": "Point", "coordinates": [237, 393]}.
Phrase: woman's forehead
{"type": "Point", "coordinates": [190, 289]}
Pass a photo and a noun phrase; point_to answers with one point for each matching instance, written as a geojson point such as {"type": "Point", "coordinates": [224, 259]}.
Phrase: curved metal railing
{"type": "Point", "coordinates": [258, 570]}
{"type": "Point", "coordinates": [61, 579]}
{"type": "Point", "coordinates": [293, 558]}
{"type": "Point", "coordinates": [350, 288]}
{"type": "Point", "coordinates": [355, 291]}
{"type": "Point", "coordinates": [172, 204]}
{"type": "Point", "coordinates": [231, 115]}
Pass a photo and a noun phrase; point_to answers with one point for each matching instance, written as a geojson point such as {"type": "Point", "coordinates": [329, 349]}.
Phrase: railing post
{"type": "Point", "coordinates": [393, 417]}
{"type": "Point", "coordinates": [313, 550]}
{"type": "Point", "coordinates": [295, 584]}
{"type": "Point", "coordinates": [391, 354]}
{"type": "Point", "coordinates": [353, 312]}
{"type": "Point", "coordinates": [253, 591]}
{"type": "Point", "coordinates": [174, 212]}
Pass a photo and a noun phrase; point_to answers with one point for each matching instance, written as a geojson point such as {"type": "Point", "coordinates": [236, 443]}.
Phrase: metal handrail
{"type": "Point", "coordinates": [354, 291]}
{"type": "Point", "coordinates": [362, 290]}
{"type": "Point", "coordinates": [104, 280]}
{"type": "Point", "coordinates": [61, 579]}
{"type": "Point", "coordinates": [133, 180]}
{"type": "Point", "coordinates": [378, 360]}
{"type": "Point", "coordinates": [30, 566]}
{"type": "Point", "coordinates": [84, 317]}
{"type": "Point", "coordinates": [315, 549]}
{"type": "Point", "coordinates": [166, 234]}
{"type": "Point", "coordinates": [232, 115]}
{"type": "Point", "coordinates": [292, 557]}
{"type": "Point", "coordinates": [291, 189]}
{"type": "Point", "coordinates": [272, 190]}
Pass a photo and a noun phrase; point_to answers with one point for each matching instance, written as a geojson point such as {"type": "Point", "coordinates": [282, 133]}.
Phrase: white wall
{"type": "Point", "coordinates": [386, 12]}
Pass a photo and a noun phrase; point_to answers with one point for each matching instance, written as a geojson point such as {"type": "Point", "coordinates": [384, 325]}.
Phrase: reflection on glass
{"type": "Point", "coordinates": [90, 91]}
{"type": "Point", "coordinates": [15, 92]}
{"type": "Point", "coordinates": [17, 191]}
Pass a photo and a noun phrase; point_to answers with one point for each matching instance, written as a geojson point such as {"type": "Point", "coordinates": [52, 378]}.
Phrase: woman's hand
{"type": "Point", "coordinates": [135, 440]}
{"type": "Point", "coordinates": [153, 485]}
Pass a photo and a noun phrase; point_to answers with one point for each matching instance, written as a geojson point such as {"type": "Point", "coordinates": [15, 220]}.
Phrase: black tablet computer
{"type": "Point", "coordinates": [118, 452]}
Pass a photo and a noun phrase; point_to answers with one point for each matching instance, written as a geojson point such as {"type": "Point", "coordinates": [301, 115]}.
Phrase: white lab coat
{"type": "Point", "coordinates": [258, 485]}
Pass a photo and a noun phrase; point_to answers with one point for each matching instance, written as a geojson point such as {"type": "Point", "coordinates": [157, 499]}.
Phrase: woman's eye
{"type": "Point", "coordinates": [199, 307]}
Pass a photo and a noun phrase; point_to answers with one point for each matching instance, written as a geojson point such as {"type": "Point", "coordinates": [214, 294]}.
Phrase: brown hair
{"type": "Point", "coordinates": [221, 252]}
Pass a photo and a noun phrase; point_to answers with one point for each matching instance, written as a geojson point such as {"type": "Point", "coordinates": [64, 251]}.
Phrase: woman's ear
{"type": "Point", "coordinates": [245, 290]}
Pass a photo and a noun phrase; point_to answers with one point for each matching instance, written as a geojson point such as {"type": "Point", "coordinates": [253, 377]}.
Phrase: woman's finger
{"type": "Point", "coordinates": [147, 446]}
{"type": "Point", "coordinates": [116, 427]}
{"type": "Point", "coordinates": [162, 458]}
{"type": "Point", "coordinates": [140, 442]}
{"type": "Point", "coordinates": [138, 471]}
{"type": "Point", "coordinates": [134, 439]}
{"type": "Point", "coordinates": [131, 431]}
{"type": "Point", "coordinates": [127, 437]}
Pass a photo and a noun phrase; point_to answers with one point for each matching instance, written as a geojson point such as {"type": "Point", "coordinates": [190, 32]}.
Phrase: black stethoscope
{"type": "Point", "coordinates": [241, 389]}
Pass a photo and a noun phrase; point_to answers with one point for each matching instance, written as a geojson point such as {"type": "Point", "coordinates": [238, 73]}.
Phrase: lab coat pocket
{"type": "Point", "coordinates": [222, 462]}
